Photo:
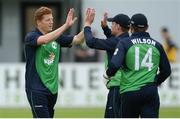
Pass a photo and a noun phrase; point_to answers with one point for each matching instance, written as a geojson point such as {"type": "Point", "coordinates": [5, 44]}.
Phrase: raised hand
{"type": "Point", "coordinates": [70, 18]}
{"type": "Point", "coordinates": [104, 20]}
{"type": "Point", "coordinates": [90, 15]}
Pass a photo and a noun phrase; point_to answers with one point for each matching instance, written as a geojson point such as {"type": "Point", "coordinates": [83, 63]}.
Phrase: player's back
{"type": "Point", "coordinates": [141, 62]}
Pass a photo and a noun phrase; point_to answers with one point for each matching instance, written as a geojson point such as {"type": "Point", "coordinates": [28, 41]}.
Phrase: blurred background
{"type": "Point", "coordinates": [82, 92]}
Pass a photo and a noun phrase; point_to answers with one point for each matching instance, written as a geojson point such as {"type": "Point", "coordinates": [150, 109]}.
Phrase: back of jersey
{"type": "Point", "coordinates": [142, 61]}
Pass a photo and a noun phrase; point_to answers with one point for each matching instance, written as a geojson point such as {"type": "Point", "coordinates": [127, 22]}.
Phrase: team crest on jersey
{"type": "Point", "coordinates": [50, 59]}
{"type": "Point", "coordinates": [54, 45]}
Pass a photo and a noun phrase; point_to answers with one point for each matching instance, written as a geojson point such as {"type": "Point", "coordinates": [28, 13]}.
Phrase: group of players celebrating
{"type": "Point", "coordinates": [136, 64]}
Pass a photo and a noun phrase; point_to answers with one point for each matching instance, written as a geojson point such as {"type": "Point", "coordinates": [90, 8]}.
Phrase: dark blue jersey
{"type": "Point", "coordinates": [140, 56]}
{"type": "Point", "coordinates": [107, 32]}
{"type": "Point", "coordinates": [108, 44]}
{"type": "Point", "coordinates": [32, 79]}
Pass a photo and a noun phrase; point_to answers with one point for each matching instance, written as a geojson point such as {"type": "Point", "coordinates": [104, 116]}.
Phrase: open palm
{"type": "Point", "coordinates": [70, 17]}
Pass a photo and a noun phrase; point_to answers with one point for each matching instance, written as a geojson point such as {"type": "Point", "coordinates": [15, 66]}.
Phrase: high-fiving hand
{"type": "Point", "coordinates": [104, 20]}
{"type": "Point", "coordinates": [90, 15]}
{"type": "Point", "coordinates": [70, 18]}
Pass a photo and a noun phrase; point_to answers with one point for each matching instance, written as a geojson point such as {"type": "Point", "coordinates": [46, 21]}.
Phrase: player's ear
{"type": "Point", "coordinates": [147, 27]}
{"type": "Point", "coordinates": [38, 22]}
{"type": "Point", "coordinates": [119, 27]}
{"type": "Point", "coordinates": [131, 29]}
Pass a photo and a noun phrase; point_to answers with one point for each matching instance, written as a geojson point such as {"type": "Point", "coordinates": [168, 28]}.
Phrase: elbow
{"type": "Point", "coordinates": [42, 40]}
{"type": "Point", "coordinates": [168, 73]}
{"type": "Point", "coordinates": [45, 41]}
{"type": "Point", "coordinates": [89, 43]}
{"type": "Point", "coordinates": [81, 41]}
{"type": "Point", "coordinates": [78, 40]}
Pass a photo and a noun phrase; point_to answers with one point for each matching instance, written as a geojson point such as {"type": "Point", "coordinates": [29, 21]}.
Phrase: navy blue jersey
{"type": "Point", "coordinates": [32, 78]}
{"type": "Point", "coordinates": [107, 32]}
{"type": "Point", "coordinates": [108, 44]}
{"type": "Point", "coordinates": [140, 56]}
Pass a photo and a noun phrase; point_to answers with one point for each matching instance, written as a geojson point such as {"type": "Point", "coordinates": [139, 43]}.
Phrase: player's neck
{"type": "Point", "coordinates": [119, 33]}
{"type": "Point", "coordinates": [41, 30]}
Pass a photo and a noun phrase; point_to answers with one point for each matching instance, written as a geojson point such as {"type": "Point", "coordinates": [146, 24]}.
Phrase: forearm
{"type": "Point", "coordinates": [88, 37]}
{"type": "Point", "coordinates": [162, 76]}
{"type": "Point", "coordinates": [52, 35]}
{"type": "Point", "coordinates": [79, 38]}
{"type": "Point", "coordinates": [164, 67]}
{"type": "Point", "coordinates": [107, 31]}
{"type": "Point", "coordinates": [111, 71]}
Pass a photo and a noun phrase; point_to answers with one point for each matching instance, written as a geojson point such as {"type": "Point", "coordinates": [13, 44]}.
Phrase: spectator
{"type": "Point", "coordinates": [169, 45]}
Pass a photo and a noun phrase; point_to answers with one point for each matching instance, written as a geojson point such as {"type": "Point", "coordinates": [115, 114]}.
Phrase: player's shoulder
{"type": "Point", "coordinates": [157, 42]}
{"type": "Point", "coordinates": [158, 45]}
{"type": "Point", "coordinates": [112, 40]}
{"type": "Point", "coordinates": [125, 40]}
{"type": "Point", "coordinates": [32, 33]}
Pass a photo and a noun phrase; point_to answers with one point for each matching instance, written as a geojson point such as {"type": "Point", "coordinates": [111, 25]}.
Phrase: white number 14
{"type": "Point", "coordinates": [147, 60]}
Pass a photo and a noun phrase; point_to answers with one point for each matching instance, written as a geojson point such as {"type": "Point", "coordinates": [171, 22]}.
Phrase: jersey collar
{"type": "Point", "coordinates": [140, 34]}
{"type": "Point", "coordinates": [37, 31]}
{"type": "Point", "coordinates": [123, 35]}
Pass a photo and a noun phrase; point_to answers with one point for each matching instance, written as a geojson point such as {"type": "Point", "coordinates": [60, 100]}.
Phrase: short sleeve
{"type": "Point", "coordinates": [31, 38]}
{"type": "Point", "coordinates": [65, 40]}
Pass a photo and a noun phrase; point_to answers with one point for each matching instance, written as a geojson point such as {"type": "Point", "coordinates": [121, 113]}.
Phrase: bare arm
{"type": "Point", "coordinates": [56, 33]}
{"type": "Point", "coordinates": [79, 38]}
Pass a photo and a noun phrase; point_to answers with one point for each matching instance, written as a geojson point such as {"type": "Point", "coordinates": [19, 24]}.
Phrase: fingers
{"type": "Point", "coordinates": [75, 18]}
{"type": "Point", "coordinates": [71, 11]}
{"type": "Point", "coordinates": [93, 12]}
{"type": "Point", "coordinates": [70, 18]}
{"type": "Point", "coordinates": [90, 14]}
{"type": "Point", "coordinates": [104, 20]}
{"type": "Point", "coordinates": [88, 11]}
{"type": "Point", "coordinates": [70, 14]}
{"type": "Point", "coordinates": [105, 15]}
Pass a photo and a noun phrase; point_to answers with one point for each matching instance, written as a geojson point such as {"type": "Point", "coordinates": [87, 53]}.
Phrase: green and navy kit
{"type": "Point", "coordinates": [108, 45]}
{"type": "Point", "coordinates": [140, 57]}
{"type": "Point", "coordinates": [42, 62]}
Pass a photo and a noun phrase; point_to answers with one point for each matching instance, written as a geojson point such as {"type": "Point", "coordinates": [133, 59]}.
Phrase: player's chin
{"type": "Point", "coordinates": [113, 33]}
{"type": "Point", "coordinates": [50, 29]}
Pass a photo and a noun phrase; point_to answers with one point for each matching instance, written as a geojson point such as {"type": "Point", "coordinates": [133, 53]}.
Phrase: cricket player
{"type": "Point", "coordinates": [140, 57]}
{"type": "Point", "coordinates": [42, 51]}
{"type": "Point", "coordinates": [119, 30]}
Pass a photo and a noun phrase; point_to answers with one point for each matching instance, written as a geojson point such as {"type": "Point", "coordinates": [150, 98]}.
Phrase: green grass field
{"type": "Point", "coordinates": [172, 112]}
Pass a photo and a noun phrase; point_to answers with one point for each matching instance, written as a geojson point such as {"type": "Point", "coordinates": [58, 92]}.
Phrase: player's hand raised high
{"type": "Point", "coordinates": [70, 18]}
{"type": "Point", "coordinates": [104, 20]}
{"type": "Point", "coordinates": [90, 15]}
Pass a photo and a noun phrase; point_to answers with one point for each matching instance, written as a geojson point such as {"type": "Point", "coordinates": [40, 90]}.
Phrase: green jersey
{"type": "Point", "coordinates": [115, 80]}
{"type": "Point", "coordinates": [47, 58]}
{"type": "Point", "coordinates": [139, 56]}
{"type": "Point", "coordinates": [142, 63]}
